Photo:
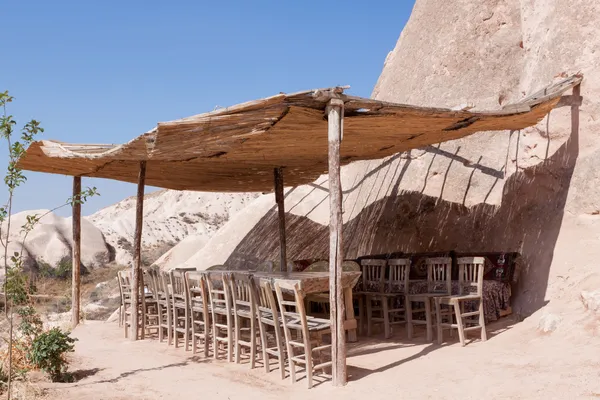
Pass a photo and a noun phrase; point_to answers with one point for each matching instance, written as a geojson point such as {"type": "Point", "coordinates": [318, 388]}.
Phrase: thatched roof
{"type": "Point", "coordinates": [235, 149]}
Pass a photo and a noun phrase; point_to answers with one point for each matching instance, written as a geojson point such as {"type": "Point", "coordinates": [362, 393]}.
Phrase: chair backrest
{"type": "Point", "coordinates": [178, 285]}
{"type": "Point", "coordinates": [373, 275]}
{"type": "Point", "coordinates": [439, 275]}
{"type": "Point", "coordinates": [398, 274]}
{"type": "Point", "coordinates": [163, 281]}
{"type": "Point", "coordinates": [470, 275]}
{"type": "Point", "coordinates": [243, 292]}
{"type": "Point", "coordinates": [266, 300]}
{"type": "Point", "coordinates": [151, 278]}
{"type": "Point", "coordinates": [319, 266]}
{"type": "Point", "coordinates": [218, 291]}
{"type": "Point", "coordinates": [291, 312]}
{"type": "Point", "coordinates": [196, 289]}
{"type": "Point", "coordinates": [124, 284]}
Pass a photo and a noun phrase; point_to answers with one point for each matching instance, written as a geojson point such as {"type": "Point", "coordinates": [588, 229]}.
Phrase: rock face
{"type": "Point", "coordinates": [169, 217]}
{"type": "Point", "coordinates": [51, 241]}
{"type": "Point", "coordinates": [534, 191]}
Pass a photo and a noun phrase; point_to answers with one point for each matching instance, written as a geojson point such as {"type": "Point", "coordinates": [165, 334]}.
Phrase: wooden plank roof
{"type": "Point", "coordinates": [235, 149]}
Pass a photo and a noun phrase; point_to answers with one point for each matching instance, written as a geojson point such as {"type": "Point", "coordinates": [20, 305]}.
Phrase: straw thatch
{"type": "Point", "coordinates": [237, 148]}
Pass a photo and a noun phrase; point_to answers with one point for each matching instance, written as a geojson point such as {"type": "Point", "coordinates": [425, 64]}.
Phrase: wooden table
{"type": "Point", "coordinates": [318, 282]}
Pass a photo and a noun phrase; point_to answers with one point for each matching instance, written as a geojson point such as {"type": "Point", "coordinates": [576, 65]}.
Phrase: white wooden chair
{"type": "Point", "coordinates": [199, 310]}
{"type": "Point", "coordinates": [373, 282]}
{"type": "Point", "coordinates": [439, 283]}
{"type": "Point", "coordinates": [269, 318]}
{"type": "Point", "coordinates": [180, 308]}
{"type": "Point", "coordinates": [470, 284]}
{"type": "Point", "coordinates": [309, 345]}
{"type": "Point", "coordinates": [244, 301]}
{"type": "Point", "coordinates": [165, 317]}
{"type": "Point", "coordinates": [222, 316]}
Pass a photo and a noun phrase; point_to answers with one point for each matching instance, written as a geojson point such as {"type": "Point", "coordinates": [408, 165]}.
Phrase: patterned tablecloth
{"type": "Point", "coordinates": [496, 295]}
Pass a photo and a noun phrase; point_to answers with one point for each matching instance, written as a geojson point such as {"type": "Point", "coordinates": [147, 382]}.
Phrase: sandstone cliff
{"type": "Point", "coordinates": [532, 191]}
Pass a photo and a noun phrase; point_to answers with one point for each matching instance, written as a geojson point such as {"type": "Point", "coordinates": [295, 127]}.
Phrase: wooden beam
{"type": "Point", "coordinates": [136, 287]}
{"type": "Point", "coordinates": [76, 253]}
{"type": "Point", "coordinates": [279, 199]}
{"type": "Point", "coordinates": [335, 111]}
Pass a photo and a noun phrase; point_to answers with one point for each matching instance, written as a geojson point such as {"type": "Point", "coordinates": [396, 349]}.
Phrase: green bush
{"type": "Point", "coordinates": [48, 353]}
{"type": "Point", "coordinates": [31, 324]}
{"type": "Point", "coordinates": [64, 268]}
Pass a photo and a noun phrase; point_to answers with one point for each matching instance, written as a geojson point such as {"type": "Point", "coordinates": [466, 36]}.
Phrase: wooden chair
{"type": "Point", "coordinates": [164, 302]}
{"type": "Point", "coordinates": [470, 286]}
{"type": "Point", "coordinates": [180, 308]}
{"type": "Point", "coordinates": [199, 310]}
{"type": "Point", "coordinates": [394, 298]}
{"type": "Point", "coordinates": [269, 318]}
{"type": "Point", "coordinates": [439, 283]}
{"type": "Point", "coordinates": [373, 285]}
{"type": "Point", "coordinates": [150, 307]}
{"type": "Point", "coordinates": [222, 317]}
{"type": "Point", "coordinates": [244, 300]}
{"type": "Point", "coordinates": [309, 332]}
{"type": "Point", "coordinates": [124, 278]}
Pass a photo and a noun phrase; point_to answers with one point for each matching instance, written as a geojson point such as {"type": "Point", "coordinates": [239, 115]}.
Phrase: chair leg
{"type": "Point", "coordinates": [309, 365]}
{"type": "Point", "coordinates": [229, 340]}
{"type": "Point", "coordinates": [409, 315]}
{"type": "Point", "coordinates": [187, 328]}
{"type": "Point", "coordinates": [361, 314]}
{"type": "Point", "coordinates": [206, 333]}
{"type": "Point", "coordinates": [369, 316]}
{"type": "Point", "coordinates": [438, 314]}
{"type": "Point", "coordinates": [215, 341]}
{"type": "Point", "coordinates": [459, 322]}
{"type": "Point", "coordinates": [428, 319]}
{"type": "Point", "coordinates": [237, 345]}
{"type": "Point", "coordinates": [253, 343]}
{"type": "Point", "coordinates": [482, 321]}
{"type": "Point", "coordinates": [280, 351]}
{"type": "Point", "coordinates": [386, 317]}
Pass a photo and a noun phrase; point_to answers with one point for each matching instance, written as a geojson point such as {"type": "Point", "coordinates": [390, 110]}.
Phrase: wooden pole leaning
{"type": "Point", "coordinates": [76, 254]}
{"type": "Point", "coordinates": [136, 276]}
{"type": "Point", "coordinates": [279, 199]}
{"type": "Point", "coordinates": [335, 113]}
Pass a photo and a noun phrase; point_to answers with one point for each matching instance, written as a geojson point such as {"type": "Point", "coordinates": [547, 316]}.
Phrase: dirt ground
{"type": "Point", "coordinates": [516, 362]}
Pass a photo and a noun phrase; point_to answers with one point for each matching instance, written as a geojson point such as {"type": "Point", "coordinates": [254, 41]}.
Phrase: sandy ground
{"type": "Point", "coordinates": [516, 362]}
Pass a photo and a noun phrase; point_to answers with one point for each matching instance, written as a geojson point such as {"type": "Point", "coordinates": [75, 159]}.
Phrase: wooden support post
{"type": "Point", "coordinates": [279, 198]}
{"type": "Point", "coordinates": [136, 277]}
{"type": "Point", "coordinates": [335, 112]}
{"type": "Point", "coordinates": [76, 253]}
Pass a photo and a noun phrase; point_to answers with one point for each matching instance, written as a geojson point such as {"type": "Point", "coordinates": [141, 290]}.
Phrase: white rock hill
{"type": "Point", "coordinates": [169, 217]}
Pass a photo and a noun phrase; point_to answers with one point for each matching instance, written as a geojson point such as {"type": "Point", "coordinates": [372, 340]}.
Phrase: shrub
{"type": "Point", "coordinates": [31, 323]}
{"type": "Point", "coordinates": [48, 353]}
{"type": "Point", "coordinates": [64, 268]}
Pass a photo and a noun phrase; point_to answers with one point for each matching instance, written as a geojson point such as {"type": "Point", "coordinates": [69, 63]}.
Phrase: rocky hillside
{"type": "Point", "coordinates": [50, 242]}
{"type": "Point", "coordinates": [532, 191]}
{"type": "Point", "coordinates": [169, 217]}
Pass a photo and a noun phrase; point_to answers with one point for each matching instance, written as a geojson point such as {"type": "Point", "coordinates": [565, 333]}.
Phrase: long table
{"type": "Point", "coordinates": [318, 282]}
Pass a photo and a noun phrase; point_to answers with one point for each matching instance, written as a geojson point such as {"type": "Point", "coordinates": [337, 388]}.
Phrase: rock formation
{"type": "Point", "coordinates": [169, 217]}
{"type": "Point", "coordinates": [534, 191]}
{"type": "Point", "coordinates": [51, 240]}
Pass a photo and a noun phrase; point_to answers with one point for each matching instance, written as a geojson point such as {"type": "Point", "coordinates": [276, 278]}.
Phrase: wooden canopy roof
{"type": "Point", "coordinates": [236, 149]}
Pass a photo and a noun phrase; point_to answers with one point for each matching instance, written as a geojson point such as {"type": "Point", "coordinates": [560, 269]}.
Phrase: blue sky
{"type": "Point", "coordinates": [105, 72]}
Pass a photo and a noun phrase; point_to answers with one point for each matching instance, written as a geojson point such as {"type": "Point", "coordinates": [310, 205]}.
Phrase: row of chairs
{"type": "Point", "coordinates": [233, 316]}
{"type": "Point", "coordinates": [389, 301]}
